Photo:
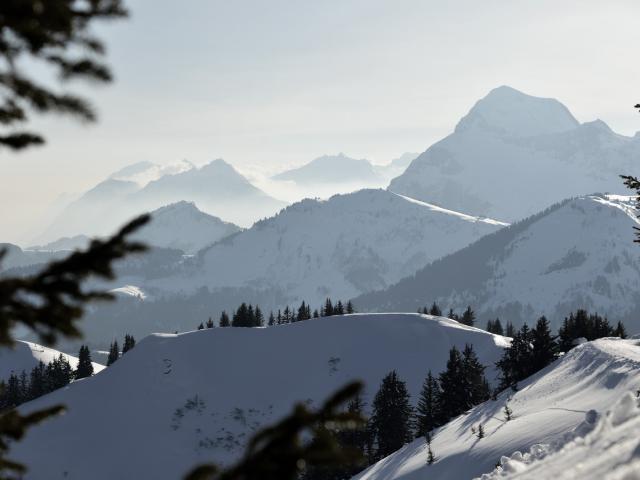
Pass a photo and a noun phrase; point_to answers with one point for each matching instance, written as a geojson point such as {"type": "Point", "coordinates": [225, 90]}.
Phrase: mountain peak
{"type": "Point", "coordinates": [510, 112]}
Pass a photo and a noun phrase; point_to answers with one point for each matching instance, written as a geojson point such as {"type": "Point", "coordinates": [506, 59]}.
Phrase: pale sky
{"type": "Point", "coordinates": [267, 84]}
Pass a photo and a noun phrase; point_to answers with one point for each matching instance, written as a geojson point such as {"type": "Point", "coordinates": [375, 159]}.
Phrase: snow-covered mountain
{"type": "Point", "coordinates": [341, 247]}
{"type": "Point", "coordinates": [197, 397]}
{"type": "Point", "coordinates": [26, 355]}
{"type": "Point", "coordinates": [568, 400]}
{"type": "Point", "coordinates": [332, 169]}
{"type": "Point", "coordinates": [183, 227]}
{"type": "Point", "coordinates": [217, 188]}
{"type": "Point", "coordinates": [180, 226]}
{"type": "Point", "coordinates": [513, 154]}
{"type": "Point", "coordinates": [576, 254]}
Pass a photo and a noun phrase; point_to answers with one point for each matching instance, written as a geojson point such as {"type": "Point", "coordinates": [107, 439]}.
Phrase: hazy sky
{"type": "Point", "coordinates": [267, 83]}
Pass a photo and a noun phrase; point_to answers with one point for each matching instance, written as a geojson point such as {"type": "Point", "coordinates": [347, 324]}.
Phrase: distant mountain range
{"type": "Point", "coordinates": [578, 253]}
{"type": "Point", "coordinates": [216, 188]}
{"type": "Point", "coordinates": [513, 154]}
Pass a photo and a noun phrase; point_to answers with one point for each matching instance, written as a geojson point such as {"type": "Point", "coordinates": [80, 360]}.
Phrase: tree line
{"type": "Point", "coordinates": [247, 315]}
{"type": "Point", "coordinates": [43, 379]}
{"type": "Point", "coordinates": [394, 422]}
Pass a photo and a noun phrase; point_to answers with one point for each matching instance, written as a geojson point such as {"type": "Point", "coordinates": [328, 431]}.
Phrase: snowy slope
{"type": "Point", "coordinates": [341, 247]}
{"type": "Point", "coordinates": [237, 379]}
{"type": "Point", "coordinates": [514, 154]}
{"type": "Point", "coordinates": [26, 355]}
{"type": "Point", "coordinates": [547, 407]}
{"type": "Point", "coordinates": [217, 188]}
{"type": "Point", "coordinates": [602, 448]}
{"type": "Point", "coordinates": [576, 254]}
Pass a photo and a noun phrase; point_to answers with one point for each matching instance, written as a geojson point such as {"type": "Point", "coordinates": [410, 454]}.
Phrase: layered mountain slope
{"type": "Point", "coordinates": [577, 254]}
{"type": "Point", "coordinates": [562, 401]}
{"type": "Point", "coordinates": [16, 257]}
{"type": "Point", "coordinates": [180, 226]}
{"type": "Point", "coordinates": [341, 247]}
{"type": "Point", "coordinates": [176, 400]}
{"type": "Point", "coordinates": [332, 169]}
{"type": "Point", "coordinates": [216, 188]}
{"type": "Point", "coordinates": [513, 154]}
{"type": "Point", "coordinates": [183, 227]}
{"type": "Point", "coordinates": [26, 355]}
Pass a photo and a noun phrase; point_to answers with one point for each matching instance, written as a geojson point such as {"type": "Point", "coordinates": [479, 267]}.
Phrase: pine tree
{"type": "Point", "coordinates": [391, 416]}
{"type": "Point", "coordinates": [497, 327]}
{"type": "Point", "coordinates": [210, 323]}
{"type": "Point", "coordinates": [272, 320]}
{"type": "Point", "coordinates": [129, 343]}
{"type": "Point", "coordinates": [544, 347]}
{"type": "Point", "coordinates": [452, 315]}
{"type": "Point", "coordinates": [476, 387]}
{"type": "Point", "coordinates": [37, 382]}
{"type": "Point", "coordinates": [327, 311]}
{"type": "Point", "coordinates": [224, 320]}
{"type": "Point", "coordinates": [427, 412]}
{"type": "Point", "coordinates": [510, 330]}
{"type": "Point", "coordinates": [452, 400]}
{"type": "Point", "coordinates": [258, 317]}
{"type": "Point", "coordinates": [435, 310]}
{"type": "Point", "coordinates": [620, 331]}
{"type": "Point", "coordinates": [85, 367]}
{"type": "Point", "coordinates": [507, 413]}
{"type": "Point", "coordinates": [316, 314]}
{"type": "Point", "coordinates": [350, 308]}
{"type": "Point", "coordinates": [480, 431]}
{"type": "Point", "coordinates": [200, 327]}
{"type": "Point", "coordinates": [114, 353]}
{"type": "Point", "coordinates": [468, 317]}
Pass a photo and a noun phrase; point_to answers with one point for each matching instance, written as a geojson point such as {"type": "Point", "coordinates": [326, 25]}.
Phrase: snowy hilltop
{"type": "Point", "coordinates": [26, 355]}
{"type": "Point", "coordinates": [576, 254]}
{"type": "Point", "coordinates": [513, 154]}
{"type": "Point", "coordinates": [189, 398]}
{"type": "Point", "coordinates": [565, 401]}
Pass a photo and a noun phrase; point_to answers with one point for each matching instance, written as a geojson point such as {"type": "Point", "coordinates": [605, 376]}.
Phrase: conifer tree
{"type": "Point", "coordinates": [210, 323]}
{"type": "Point", "coordinates": [476, 387]}
{"type": "Point", "coordinates": [620, 331]}
{"type": "Point", "coordinates": [130, 342]}
{"type": "Point", "coordinates": [272, 320]}
{"type": "Point", "coordinates": [510, 330]}
{"type": "Point", "coordinates": [544, 347]}
{"type": "Point", "coordinates": [480, 431]}
{"type": "Point", "coordinates": [452, 315]}
{"type": "Point", "coordinates": [338, 309]}
{"type": "Point", "coordinates": [258, 317]}
{"type": "Point", "coordinates": [452, 400]}
{"type": "Point", "coordinates": [435, 310]}
{"type": "Point", "coordinates": [114, 353]}
{"type": "Point", "coordinates": [316, 314]}
{"type": "Point", "coordinates": [508, 413]}
{"type": "Point", "coordinates": [327, 311]}
{"type": "Point", "coordinates": [391, 416]}
{"type": "Point", "coordinates": [224, 320]}
{"type": "Point", "coordinates": [468, 317]}
{"type": "Point", "coordinates": [85, 367]}
{"type": "Point", "coordinates": [200, 327]}
{"type": "Point", "coordinates": [349, 308]}
{"type": "Point", "coordinates": [427, 412]}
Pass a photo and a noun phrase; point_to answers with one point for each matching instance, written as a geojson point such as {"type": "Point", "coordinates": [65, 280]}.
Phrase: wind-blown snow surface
{"type": "Point", "coordinates": [547, 408]}
{"type": "Point", "coordinates": [26, 355]}
{"type": "Point", "coordinates": [339, 248]}
{"type": "Point", "coordinates": [603, 447]}
{"type": "Point", "coordinates": [176, 400]}
{"type": "Point", "coordinates": [576, 254]}
{"type": "Point", "coordinates": [514, 154]}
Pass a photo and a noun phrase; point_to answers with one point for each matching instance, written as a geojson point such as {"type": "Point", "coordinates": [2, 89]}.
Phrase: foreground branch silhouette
{"type": "Point", "coordinates": [51, 303]}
